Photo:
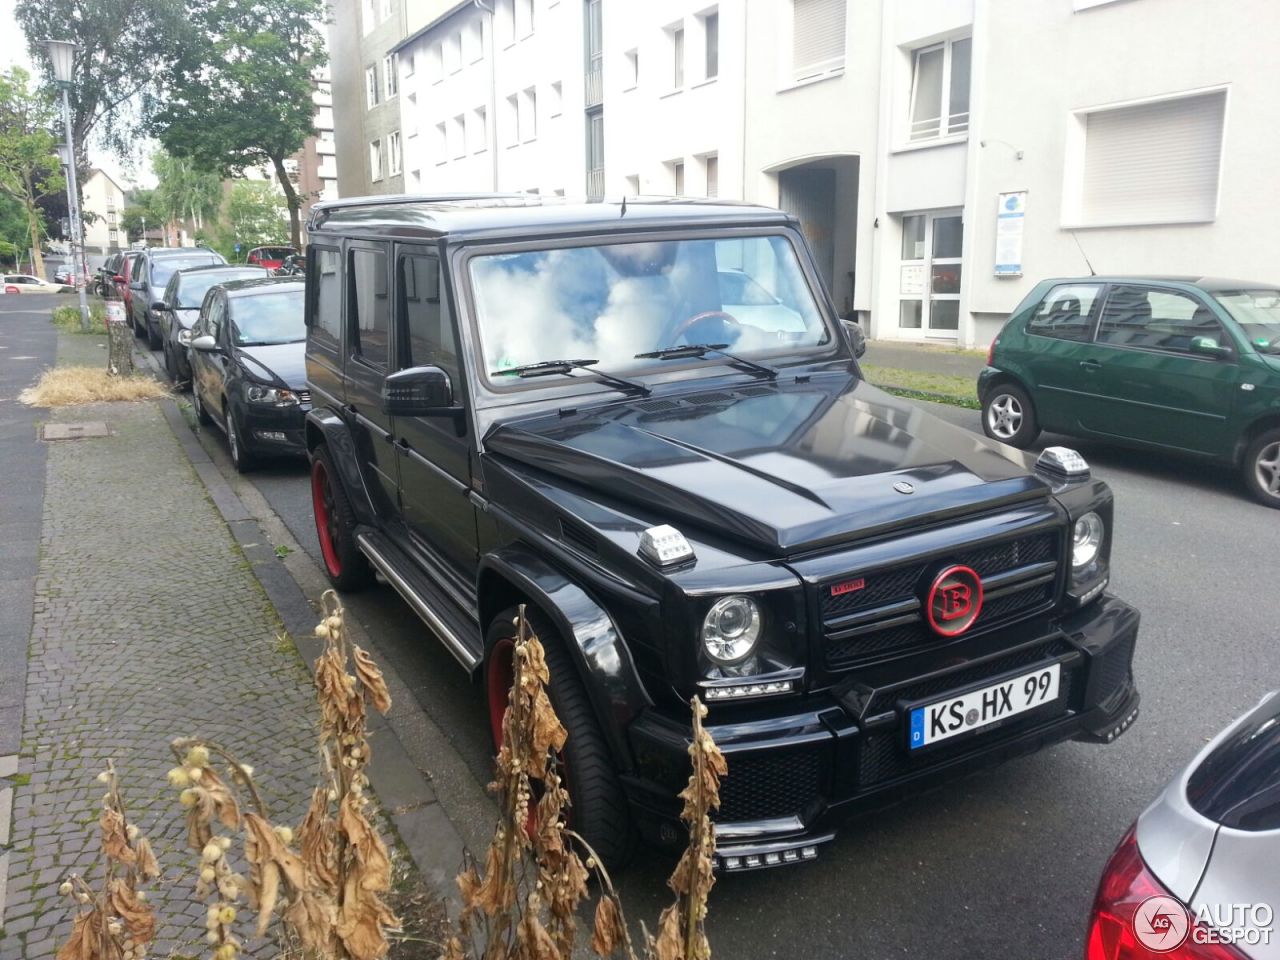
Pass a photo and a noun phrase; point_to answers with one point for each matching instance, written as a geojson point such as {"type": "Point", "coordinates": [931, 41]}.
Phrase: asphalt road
{"type": "Point", "coordinates": [1003, 864]}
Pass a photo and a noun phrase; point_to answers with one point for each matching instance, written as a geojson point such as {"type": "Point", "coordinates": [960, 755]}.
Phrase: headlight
{"type": "Point", "coordinates": [731, 629]}
{"type": "Point", "coordinates": [1086, 540]}
{"type": "Point", "coordinates": [184, 336]}
{"type": "Point", "coordinates": [256, 394]}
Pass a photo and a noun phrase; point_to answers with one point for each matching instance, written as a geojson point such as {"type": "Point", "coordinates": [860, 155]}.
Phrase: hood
{"type": "Point", "coordinates": [279, 361]}
{"type": "Point", "coordinates": [783, 466]}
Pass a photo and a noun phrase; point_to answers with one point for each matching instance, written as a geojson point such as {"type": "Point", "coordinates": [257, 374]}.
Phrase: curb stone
{"type": "Point", "coordinates": [407, 797]}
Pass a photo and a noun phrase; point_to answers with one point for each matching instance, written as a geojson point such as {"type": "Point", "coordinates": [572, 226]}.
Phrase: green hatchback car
{"type": "Point", "coordinates": [1175, 363]}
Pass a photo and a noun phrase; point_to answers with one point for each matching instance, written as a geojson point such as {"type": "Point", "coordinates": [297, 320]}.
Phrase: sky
{"type": "Point", "coordinates": [13, 52]}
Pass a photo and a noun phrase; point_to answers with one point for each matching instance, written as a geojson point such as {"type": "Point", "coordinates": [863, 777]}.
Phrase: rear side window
{"type": "Point", "coordinates": [368, 308]}
{"type": "Point", "coordinates": [1155, 319]}
{"type": "Point", "coordinates": [1066, 312]}
{"type": "Point", "coordinates": [325, 283]}
{"type": "Point", "coordinates": [430, 334]}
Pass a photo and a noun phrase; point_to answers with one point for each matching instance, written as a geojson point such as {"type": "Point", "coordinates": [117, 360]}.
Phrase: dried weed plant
{"type": "Point", "coordinates": [523, 904]}
{"type": "Point", "coordinates": [70, 386]}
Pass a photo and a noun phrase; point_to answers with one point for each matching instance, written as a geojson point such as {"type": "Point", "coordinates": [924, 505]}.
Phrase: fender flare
{"type": "Point", "coordinates": [596, 645]}
{"type": "Point", "coordinates": [325, 426]}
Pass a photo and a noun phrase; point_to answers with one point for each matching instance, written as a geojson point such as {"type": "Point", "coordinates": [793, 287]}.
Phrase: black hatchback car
{"type": "Point", "coordinates": [247, 371]}
{"type": "Point", "coordinates": [646, 423]}
{"type": "Point", "coordinates": [179, 308]}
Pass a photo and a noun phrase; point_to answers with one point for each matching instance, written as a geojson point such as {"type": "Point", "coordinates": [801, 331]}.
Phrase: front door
{"type": "Point", "coordinates": [1150, 385]}
{"type": "Point", "coordinates": [435, 463]}
{"type": "Point", "coordinates": [368, 356]}
{"type": "Point", "coordinates": [929, 276]}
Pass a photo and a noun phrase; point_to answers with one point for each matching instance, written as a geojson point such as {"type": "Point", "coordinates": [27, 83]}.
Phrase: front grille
{"type": "Point", "coordinates": [304, 396]}
{"type": "Point", "coordinates": [767, 785]}
{"type": "Point", "coordinates": [896, 594]}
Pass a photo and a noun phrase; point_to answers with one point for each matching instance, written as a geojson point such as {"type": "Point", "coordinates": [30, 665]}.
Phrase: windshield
{"type": "Point", "coordinates": [267, 318]}
{"type": "Point", "coordinates": [611, 301]}
{"type": "Point", "coordinates": [162, 268]}
{"type": "Point", "coordinates": [193, 287]}
{"type": "Point", "coordinates": [1258, 313]}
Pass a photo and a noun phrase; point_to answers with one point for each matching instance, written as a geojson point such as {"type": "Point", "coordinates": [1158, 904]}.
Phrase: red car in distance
{"type": "Point", "coordinates": [269, 257]}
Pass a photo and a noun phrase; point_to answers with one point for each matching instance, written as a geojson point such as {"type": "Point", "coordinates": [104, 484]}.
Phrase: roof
{"type": "Point", "coordinates": [214, 267]}
{"type": "Point", "coordinates": [1207, 284]}
{"type": "Point", "coordinates": [502, 215]}
{"type": "Point", "coordinates": [98, 170]}
{"type": "Point", "coordinates": [256, 285]}
{"type": "Point", "coordinates": [178, 251]}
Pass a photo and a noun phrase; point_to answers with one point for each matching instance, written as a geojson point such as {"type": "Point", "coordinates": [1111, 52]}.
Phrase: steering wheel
{"type": "Point", "coordinates": [687, 325]}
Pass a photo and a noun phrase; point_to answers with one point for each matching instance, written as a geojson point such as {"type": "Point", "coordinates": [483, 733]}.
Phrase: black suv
{"type": "Point", "coordinates": [695, 492]}
{"type": "Point", "coordinates": [150, 275]}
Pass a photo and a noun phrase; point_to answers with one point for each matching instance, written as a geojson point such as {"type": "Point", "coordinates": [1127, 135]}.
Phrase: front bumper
{"type": "Point", "coordinates": [268, 430]}
{"type": "Point", "coordinates": [795, 773]}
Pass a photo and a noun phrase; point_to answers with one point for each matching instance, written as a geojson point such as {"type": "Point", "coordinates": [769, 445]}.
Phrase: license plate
{"type": "Point", "coordinates": [943, 719]}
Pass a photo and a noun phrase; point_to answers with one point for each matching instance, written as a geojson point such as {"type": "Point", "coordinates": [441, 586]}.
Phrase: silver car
{"type": "Point", "coordinates": [1196, 877]}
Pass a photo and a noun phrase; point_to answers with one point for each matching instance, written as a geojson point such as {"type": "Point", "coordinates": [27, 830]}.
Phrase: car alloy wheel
{"type": "Point", "coordinates": [1267, 468]}
{"type": "Point", "coordinates": [240, 457]}
{"type": "Point", "coordinates": [1004, 417]}
{"type": "Point", "coordinates": [326, 518]}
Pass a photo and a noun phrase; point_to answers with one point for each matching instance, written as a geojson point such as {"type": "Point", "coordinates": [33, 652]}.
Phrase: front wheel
{"type": "Point", "coordinates": [1007, 416]}
{"type": "Point", "coordinates": [599, 810]}
{"type": "Point", "coordinates": [202, 415]}
{"type": "Point", "coordinates": [1261, 468]}
{"type": "Point", "coordinates": [242, 459]}
{"type": "Point", "coordinates": [347, 567]}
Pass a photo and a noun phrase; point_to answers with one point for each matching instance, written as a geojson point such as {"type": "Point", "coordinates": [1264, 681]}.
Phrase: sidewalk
{"type": "Point", "coordinates": [925, 358]}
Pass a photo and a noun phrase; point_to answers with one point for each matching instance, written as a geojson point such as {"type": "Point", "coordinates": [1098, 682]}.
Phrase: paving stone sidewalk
{"type": "Point", "coordinates": [149, 624]}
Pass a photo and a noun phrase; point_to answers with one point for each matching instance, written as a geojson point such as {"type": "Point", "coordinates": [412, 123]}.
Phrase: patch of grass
{"type": "Point", "coordinates": [67, 318]}
{"type": "Point", "coordinates": [917, 384]}
{"type": "Point", "coordinates": [68, 386]}
{"type": "Point", "coordinates": [282, 551]}
{"type": "Point", "coordinates": [20, 779]}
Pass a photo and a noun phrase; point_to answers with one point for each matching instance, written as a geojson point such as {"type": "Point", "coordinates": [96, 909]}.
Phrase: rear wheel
{"type": "Point", "coordinates": [1008, 416]}
{"type": "Point", "coordinates": [599, 810]}
{"type": "Point", "coordinates": [347, 567]}
{"type": "Point", "coordinates": [1261, 468]}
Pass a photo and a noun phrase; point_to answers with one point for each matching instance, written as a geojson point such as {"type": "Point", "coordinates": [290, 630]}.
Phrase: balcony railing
{"type": "Point", "coordinates": [595, 184]}
{"type": "Point", "coordinates": [595, 87]}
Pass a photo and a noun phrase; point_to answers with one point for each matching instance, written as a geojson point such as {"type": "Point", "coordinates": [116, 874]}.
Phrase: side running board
{"type": "Point", "coordinates": [427, 601]}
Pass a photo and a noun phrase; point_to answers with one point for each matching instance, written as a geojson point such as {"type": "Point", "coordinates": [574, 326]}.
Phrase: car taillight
{"type": "Point", "coordinates": [991, 353]}
{"type": "Point", "coordinates": [1126, 883]}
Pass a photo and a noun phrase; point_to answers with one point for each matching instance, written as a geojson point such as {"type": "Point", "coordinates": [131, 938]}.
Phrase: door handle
{"type": "Point", "coordinates": [1091, 365]}
{"type": "Point", "coordinates": [403, 444]}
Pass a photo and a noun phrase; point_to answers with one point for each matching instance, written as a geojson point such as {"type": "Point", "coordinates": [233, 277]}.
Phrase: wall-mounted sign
{"type": "Point", "coordinates": [1010, 217]}
{"type": "Point", "coordinates": [912, 282]}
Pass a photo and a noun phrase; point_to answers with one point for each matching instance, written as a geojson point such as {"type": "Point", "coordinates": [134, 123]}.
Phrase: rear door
{"type": "Point", "coordinates": [1150, 386]}
{"type": "Point", "coordinates": [368, 329]}
{"type": "Point", "coordinates": [434, 453]}
{"type": "Point", "coordinates": [1055, 351]}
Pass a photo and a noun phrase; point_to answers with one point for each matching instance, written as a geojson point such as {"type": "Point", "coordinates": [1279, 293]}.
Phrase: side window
{"type": "Point", "coordinates": [325, 287]}
{"type": "Point", "coordinates": [217, 310]}
{"type": "Point", "coordinates": [1155, 319]}
{"type": "Point", "coordinates": [428, 330]}
{"type": "Point", "coordinates": [1066, 312]}
{"type": "Point", "coordinates": [368, 307]}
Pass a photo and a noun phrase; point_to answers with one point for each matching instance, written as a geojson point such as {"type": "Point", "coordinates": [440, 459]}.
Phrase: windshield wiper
{"type": "Point", "coordinates": [566, 367]}
{"type": "Point", "coordinates": [686, 351]}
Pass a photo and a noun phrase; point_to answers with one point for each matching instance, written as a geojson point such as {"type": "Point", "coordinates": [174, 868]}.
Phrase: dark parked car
{"type": "Point", "coordinates": [151, 274]}
{"type": "Point", "coordinates": [270, 257]}
{"type": "Point", "coordinates": [1186, 365]}
{"type": "Point", "coordinates": [247, 371]}
{"type": "Point", "coordinates": [555, 405]}
{"type": "Point", "coordinates": [1195, 877]}
{"type": "Point", "coordinates": [179, 308]}
{"type": "Point", "coordinates": [104, 279]}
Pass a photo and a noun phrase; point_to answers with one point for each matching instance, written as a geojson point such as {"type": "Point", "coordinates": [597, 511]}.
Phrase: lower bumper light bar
{"type": "Point", "coordinates": [742, 857]}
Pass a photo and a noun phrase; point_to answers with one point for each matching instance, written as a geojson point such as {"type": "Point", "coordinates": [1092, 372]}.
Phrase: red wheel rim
{"type": "Point", "coordinates": [326, 523]}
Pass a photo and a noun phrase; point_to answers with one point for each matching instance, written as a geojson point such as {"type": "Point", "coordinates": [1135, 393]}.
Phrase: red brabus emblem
{"type": "Point", "coordinates": [847, 587]}
{"type": "Point", "coordinates": [954, 601]}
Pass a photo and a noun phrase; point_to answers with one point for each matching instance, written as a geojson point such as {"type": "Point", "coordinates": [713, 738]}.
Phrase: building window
{"type": "Point", "coordinates": [375, 160]}
{"type": "Point", "coordinates": [435, 63]}
{"type": "Point", "coordinates": [524, 18]}
{"type": "Point", "coordinates": [504, 22]}
{"type": "Point", "coordinates": [366, 16]}
{"type": "Point", "coordinates": [940, 89]}
{"type": "Point", "coordinates": [711, 44]}
{"type": "Point", "coordinates": [458, 136]}
{"type": "Point", "coordinates": [473, 41]}
{"type": "Point", "coordinates": [452, 53]}
{"type": "Point", "coordinates": [394, 156]}
{"type": "Point", "coordinates": [384, 9]}
{"type": "Point", "coordinates": [441, 145]}
{"type": "Point", "coordinates": [511, 121]}
{"type": "Point", "coordinates": [631, 75]}
{"type": "Point", "coordinates": [633, 185]}
{"type": "Point", "coordinates": [528, 117]}
{"type": "Point", "coordinates": [371, 85]}
{"type": "Point", "coordinates": [677, 177]}
{"type": "Point", "coordinates": [817, 37]}
{"type": "Point", "coordinates": [1152, 163]}
{"type": "Point", "coordinates": [477, 131]}
{"type": "Point", "coordinates": [391, 74]}
{"type": "Point", "coordinates": [677, 57]}
{"type": "Point", "coordinates": [410, 65]}
{"type": "Point", "coordinates": [557, 99]}
{"type": "Point", "coordinates": [713, 175]}
{"type": "Point", "coordinates": [595, 155]}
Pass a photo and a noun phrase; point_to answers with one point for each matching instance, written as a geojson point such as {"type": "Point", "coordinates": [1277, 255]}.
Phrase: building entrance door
{"type": "Point", "coordinates": [929, 275]}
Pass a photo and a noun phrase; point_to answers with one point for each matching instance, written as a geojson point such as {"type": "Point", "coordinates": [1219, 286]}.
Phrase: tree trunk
{"type": "Point", "coordinates": [119, 347]}
{"type": "Point", "coordinates": [292, 199]}
{"type": "Point", "coordinates": [37, 258]}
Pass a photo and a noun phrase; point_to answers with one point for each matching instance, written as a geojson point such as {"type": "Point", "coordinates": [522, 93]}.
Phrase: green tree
{"type": "Point", "coordinates": [254, 216]}
{"type": "Point", "coordinates": [139, 210]}
{"type": "Point", "coordinates": [13, 228]}
{"type": "Point", "coordinates": [28, 167]}
{"type": "Point", "coordinates": [184, 191]}
{"type": "Point", "coordinates": [124, 47]}
{"type": "Point", "coordinates": [240, 92]}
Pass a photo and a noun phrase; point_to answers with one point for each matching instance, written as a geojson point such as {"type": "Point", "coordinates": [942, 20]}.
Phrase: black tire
{"type": "Point", "coordinates": [346, 567]}
{"type": "Point", "coordinates": [243, 460]}
{"type": "Point", "coordinates": [1260, 468]}
{"type": "Point", "coordinates": [1009, 416]}
{"type": "Point", "coordinates": [202, 415]}
{"type": "Point", "coordinates": [599, 811]}
{"type": "Point", "coordinates": [169, 366]}
{"type": "Point", "coordinates": [133, 320]}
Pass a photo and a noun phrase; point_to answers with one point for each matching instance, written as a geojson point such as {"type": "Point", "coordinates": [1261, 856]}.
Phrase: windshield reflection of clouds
{"type": "Point", "coordinates": [268, 318]}
{"type": "Point", "coordinates": [612, 301]}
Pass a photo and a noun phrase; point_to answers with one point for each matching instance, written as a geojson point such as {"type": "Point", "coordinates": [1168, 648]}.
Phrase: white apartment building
{"type": "Point", "coordinates": [942, 155]}
{"type": "Point", "coordinates": [104, 198]}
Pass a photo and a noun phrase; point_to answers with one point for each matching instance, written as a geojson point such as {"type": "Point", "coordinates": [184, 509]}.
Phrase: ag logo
{"type": "Point", "coordinates": [1160, 923]}
{"type": "Point", "coordinates": [954, 600]}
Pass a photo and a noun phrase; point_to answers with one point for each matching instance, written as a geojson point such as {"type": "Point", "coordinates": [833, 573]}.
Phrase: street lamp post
{"type": "Point", "coordinates": [62, 56]}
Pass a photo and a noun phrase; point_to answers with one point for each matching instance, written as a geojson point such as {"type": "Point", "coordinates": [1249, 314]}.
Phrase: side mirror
{"type": "Point", "coordinates": [159, 306]}
{"type": "Point", "coordinates": [857, 339]}
{"type": "Point", "coordinates": [205, 343]}
{"type": "Point", "coordinates": [419, 392]}
{"type": "Point", "coordinates": [1209, 347]}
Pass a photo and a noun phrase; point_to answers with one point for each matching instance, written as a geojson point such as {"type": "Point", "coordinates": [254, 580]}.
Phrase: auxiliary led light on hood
{"type": "Point", "coordinates": [665, 546]}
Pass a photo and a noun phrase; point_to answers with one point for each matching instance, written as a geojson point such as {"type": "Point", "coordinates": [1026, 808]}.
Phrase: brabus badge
{"type": "Point", "coordinates": [849, 586]}
{"type": "Point", "coordinates": [902, 486]}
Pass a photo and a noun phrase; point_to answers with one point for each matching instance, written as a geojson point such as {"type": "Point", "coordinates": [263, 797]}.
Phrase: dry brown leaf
{"type": "Point", "coordinates": [315, 840]}
{"type": "Point", "coordinates": [453, 950]}
{"type": "Point", "coordinates": [534, 940]}
{"type": "Point", "coordinates": [83, 944]}
{"type": "Point", "coordinates": [372, 680]}
{"type": "Point", "coordinates": [469, 887]}
{"type": "Point", "coordinates": [148, 866]}
{"type": "Point", "coordinates": [535, 660]}
{"type": "Point", "coordinates": [313, 916]}
{"type": "Point", "coordinates": [670, 943]}
{"type": "Point", "coordinates": [199, 817]}
{"type": "Point", "coordinates": [114, 842]}
{"type": "Point", "coordinates": [371, 852]}
{"type": "Point", "coordinates": [267, 847]}
{"type": "Point", "coordinates": [268, 893]}
{"type": "Point", "coordinates": [330, 678]}
{"type": "Point", "coordinates": [496, 892]}
{"type": "Point", "coordinates": [362, 922]}
{"type": "Point", "coordinates": [226, 809]}
{"type": "Point", "coordinates": [607, 934]}
{"type": "Point", "coordinates": [137, 915]}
